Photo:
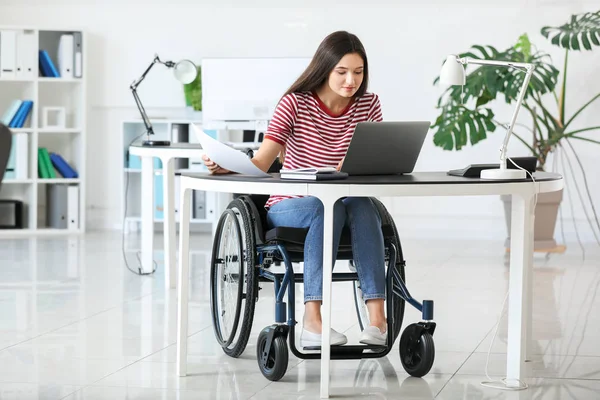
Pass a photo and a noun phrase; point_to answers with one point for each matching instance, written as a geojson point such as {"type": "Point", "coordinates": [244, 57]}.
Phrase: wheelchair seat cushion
{"type": "Point", "coordinates": [298, 236]}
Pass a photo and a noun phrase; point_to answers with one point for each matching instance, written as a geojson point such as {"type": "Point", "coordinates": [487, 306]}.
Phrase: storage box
{"type": "Point", "coordinates": [11, 214]}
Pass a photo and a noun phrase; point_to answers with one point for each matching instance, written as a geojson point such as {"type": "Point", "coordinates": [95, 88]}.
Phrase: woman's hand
{"type": "Point", "coordinates": [339, 166]}
{"type": "Point", "coordinates": [213, 167]}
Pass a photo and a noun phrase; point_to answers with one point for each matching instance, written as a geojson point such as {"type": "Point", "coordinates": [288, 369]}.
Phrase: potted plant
{"type": "Point", "coordinates": [466, 117]}
{"type": "Point", "coordinates": [193, 92]}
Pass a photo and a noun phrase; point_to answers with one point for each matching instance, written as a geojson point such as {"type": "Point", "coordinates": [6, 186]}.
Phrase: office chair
{"type": "Point", "coordinates": [5, 145]}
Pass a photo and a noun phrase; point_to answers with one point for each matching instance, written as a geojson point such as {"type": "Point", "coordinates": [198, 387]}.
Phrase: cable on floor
{"type": "Point", "coordinates": [139, 266]}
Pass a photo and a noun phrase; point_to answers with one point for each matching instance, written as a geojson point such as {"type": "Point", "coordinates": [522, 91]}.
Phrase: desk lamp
{"type": "Point", "coordinates": [184, 71]}
{"type": "Point", "coordinates": [453, 73]}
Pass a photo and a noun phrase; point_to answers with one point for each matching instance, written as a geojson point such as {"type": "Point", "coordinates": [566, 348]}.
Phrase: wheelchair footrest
{"type": "Point", "coordinates": [348, 351]}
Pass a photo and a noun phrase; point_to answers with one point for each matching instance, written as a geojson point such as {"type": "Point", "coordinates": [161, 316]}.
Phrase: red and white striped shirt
{"type": "Point", "coordinates": [312, 135]}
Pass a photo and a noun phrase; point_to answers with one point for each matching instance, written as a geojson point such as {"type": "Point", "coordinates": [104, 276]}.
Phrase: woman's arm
{"type": "Point", "coordinates": [266, 154]}
{"type": "Point", "coordinates": [279, 130]}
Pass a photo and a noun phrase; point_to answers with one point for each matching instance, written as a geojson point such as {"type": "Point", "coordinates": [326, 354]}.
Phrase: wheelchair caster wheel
{"type": "Point", "coordinates": [417, 350]}
{"type": "Point", "coordinates": [272, 362]}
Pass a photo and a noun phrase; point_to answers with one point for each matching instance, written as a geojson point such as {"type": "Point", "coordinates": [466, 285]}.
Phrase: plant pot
{"type": "Point", "coordinates": [546, 212]}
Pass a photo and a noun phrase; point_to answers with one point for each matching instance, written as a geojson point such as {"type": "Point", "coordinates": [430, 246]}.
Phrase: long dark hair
{"type": "Point", "coordinates": [329, 53]}
{"type": "Point", "coordinates": [331, 50]}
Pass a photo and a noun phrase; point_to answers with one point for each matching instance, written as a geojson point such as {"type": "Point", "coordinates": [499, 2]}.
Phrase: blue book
{"type": "Point", "coordinates": [14, 121]}
{"type": "Point", "coordinates": [62, 166]}
{"type": "Point", "coordinates": [44, 69]}
{"type": "Point", "coordinates": [48, 67]}
{"type": "Point", "coordinates": [27, 106]}
{"type": "Point", "coordinates": [11, 111]}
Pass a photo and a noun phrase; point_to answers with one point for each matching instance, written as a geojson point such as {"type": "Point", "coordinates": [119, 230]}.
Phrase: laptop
{"type": "Point", "coordinates": [385, 148]}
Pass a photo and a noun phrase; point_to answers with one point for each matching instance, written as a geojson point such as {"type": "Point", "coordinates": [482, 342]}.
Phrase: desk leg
{"type": "Point", "coordinates": [169, 221]}
{"type": "Point", "coordinates": [147, 214]}
{"type": "Point", "coordinates": [182, 298]}
{"type": "Point", "coordinates": [520, 286]}
{"type": "Point", "coordinates": [326, 307]}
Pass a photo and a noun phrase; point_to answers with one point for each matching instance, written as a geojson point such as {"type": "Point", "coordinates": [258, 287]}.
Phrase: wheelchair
{"type": "Point", "coordinates": [244, 253]}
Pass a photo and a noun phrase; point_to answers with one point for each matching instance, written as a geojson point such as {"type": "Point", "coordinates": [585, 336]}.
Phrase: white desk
{"type": "Point", "coordinates": [417, 184]}
{"type": "Point", "coordinates": [167, 154]}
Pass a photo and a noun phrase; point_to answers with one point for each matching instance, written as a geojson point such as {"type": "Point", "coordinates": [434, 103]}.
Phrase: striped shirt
{"type": "Point", "coordinates": [312, 135]}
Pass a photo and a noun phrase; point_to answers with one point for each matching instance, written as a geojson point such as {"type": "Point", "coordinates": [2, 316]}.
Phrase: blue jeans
{"type": "Point", "coordinates": [361, 216]}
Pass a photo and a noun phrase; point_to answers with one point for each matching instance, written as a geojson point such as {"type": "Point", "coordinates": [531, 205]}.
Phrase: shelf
{"type": "Point", "coordinates": [18, 79]}
{"type": "Point", "coordinates": [21, 130]}
{"type": "Point", "coordinates": [17, 181]}
{"type": "Point", "coordinates": [68, 140]}
{"type": "Point", "coordinates": [60, 80]}
{"type": "Point", "coordinates": [58, 180]}
{"type": "Point", "coordinates": [59, 130]}
{"type": "Point", "coordinates": [42, 79]}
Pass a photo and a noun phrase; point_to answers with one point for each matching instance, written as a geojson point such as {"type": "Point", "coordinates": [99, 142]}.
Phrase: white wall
{"type": "Point", "coordinates": [406, 44]}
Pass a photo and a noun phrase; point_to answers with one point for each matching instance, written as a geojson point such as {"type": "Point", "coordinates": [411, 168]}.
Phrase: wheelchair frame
{"type": "Point", "coordinates": [416, 344]}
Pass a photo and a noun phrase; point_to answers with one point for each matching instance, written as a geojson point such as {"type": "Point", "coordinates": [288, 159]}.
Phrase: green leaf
{"type": "Point", "coordinates": [193, 92]}
{"type": "Point", "coordinates": [523, 45]}
{"type": "Point", "coordinates": [574, 35]}
{"type": "Point", "coordinates": [586, 42]}
{"type": "Point", "coordinates": [485, 98]}
{"type": "Point", "coordinates": [457, 124]}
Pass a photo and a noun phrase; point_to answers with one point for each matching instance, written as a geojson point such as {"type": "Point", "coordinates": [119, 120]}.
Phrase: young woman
{"type": "Point", "coordinates": [312, 127]}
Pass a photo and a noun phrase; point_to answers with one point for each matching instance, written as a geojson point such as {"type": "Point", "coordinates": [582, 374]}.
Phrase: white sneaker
{"type": "Point", "coordinates": [308, 338]}
{"type": "Point", "coordinates": [373, 336]}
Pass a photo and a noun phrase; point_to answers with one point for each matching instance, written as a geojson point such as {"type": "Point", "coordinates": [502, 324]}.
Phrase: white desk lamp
{"type": "Point", "coordinates": [184, 71]}
{"type": "Point", "coordinates": [453, 73]}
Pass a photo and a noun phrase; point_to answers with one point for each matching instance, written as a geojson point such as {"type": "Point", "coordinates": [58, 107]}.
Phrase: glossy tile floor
{"type": "Point", "coordinates": [76, 324]}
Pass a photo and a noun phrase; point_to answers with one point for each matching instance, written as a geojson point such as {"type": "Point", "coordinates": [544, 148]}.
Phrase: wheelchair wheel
{"type": "Point", "coordinates": [397, 302]}
{"type": "Point", "coordinates": [276, 363]}
{"type": "Point", "coordinates": [234, 280]}
{"type": "Point", "coordinates": [417, 351]}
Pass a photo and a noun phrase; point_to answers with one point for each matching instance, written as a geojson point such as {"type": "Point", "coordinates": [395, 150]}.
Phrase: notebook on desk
{"type": "Point", "coordinates": [314, 174]}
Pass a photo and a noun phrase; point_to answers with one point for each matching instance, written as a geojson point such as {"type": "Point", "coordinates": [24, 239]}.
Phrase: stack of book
{"type": "Point", "coordinates": [47, 162]}
{"type": "Point", "coordinates": [17, 113]}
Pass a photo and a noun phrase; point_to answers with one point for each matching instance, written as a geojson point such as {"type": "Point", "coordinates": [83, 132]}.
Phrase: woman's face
{"type": "Point", "coordinates": [347, 76]}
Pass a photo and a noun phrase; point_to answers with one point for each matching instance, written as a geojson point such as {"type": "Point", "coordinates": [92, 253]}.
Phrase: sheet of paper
{"type": "Point", "coordinates": [227, 157]}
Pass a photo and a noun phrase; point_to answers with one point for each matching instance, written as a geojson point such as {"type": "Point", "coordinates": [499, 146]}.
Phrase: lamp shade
{"type": "Point", "coordinates": [452, 72]}
{"type": "Point", "coordinates": [185, 71]}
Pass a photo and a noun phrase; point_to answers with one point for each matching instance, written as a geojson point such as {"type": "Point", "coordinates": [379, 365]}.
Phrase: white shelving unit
{"type": "Point", "coordinates": [69, 141]}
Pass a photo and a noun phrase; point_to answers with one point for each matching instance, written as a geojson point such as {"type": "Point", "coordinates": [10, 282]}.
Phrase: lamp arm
{"type": "Point", "coordinates": [528, 68]}
{"type": "Point", "coordinates": [169, 64]}
{"type": "Point", "coordinates": [138, 102]}
{"type": "Point", "coordinates": [468, 60]}
{"type": "Point", "coordinates": [520, 97]}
